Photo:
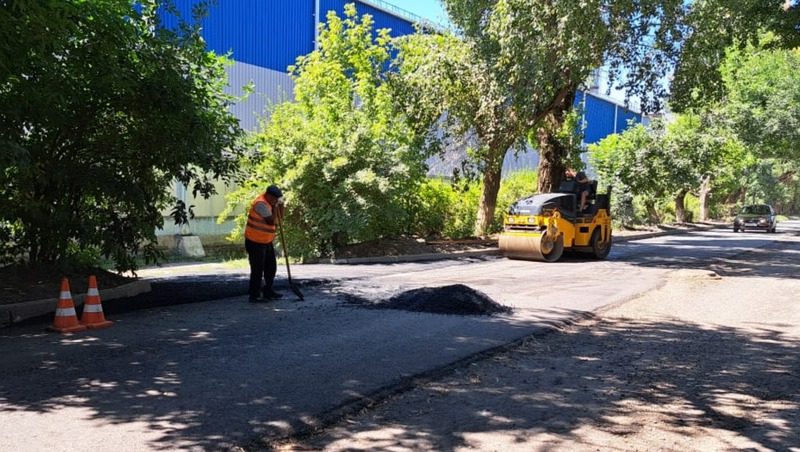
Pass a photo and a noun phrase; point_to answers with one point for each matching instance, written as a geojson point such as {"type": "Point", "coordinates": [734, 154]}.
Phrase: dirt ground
{"type": "Point", "coordinates": [403, 246]}
{"type": "Point", "coordinates": [24, 284]}
{"type": "Point", "coordinates": [704, 363]}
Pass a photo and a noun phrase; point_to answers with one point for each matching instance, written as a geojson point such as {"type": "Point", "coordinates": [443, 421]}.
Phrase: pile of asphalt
{"type": "Point", "coordinates": [456, 299]}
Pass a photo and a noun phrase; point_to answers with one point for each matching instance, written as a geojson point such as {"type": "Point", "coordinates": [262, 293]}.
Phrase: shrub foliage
{"type": "Point", "coordinates": [100, 110]}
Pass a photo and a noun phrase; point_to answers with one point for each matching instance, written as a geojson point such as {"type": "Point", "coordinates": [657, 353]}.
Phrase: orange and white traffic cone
{"type": "Point", "coordinates": [93, 316]}
{"type": "Point", "coordinates": [66, 320]}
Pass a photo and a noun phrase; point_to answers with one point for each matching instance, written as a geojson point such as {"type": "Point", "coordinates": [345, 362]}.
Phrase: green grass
{"type": "Point", "coordinates": [237, 264]}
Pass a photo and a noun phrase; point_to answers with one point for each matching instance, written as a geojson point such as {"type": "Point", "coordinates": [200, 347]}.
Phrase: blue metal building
{"type": "Point", "coordinates": [265, 37]}
{"type": "Point", "coordinates": [601, 116]}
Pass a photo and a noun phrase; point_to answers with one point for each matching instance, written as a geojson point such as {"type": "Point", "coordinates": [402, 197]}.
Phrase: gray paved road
{"type": "Point", "coordinates": [213, 374]}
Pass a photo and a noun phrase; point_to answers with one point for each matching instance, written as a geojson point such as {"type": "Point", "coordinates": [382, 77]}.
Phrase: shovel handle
{"type": "Point", "coordinates": [285, 253]}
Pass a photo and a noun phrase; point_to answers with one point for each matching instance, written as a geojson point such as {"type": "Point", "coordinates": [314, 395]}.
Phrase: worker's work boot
{"type": "Point", "coordinates": [270, 294]}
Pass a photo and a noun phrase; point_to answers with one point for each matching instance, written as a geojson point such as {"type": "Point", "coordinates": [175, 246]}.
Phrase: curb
{"type": "Point", "coordinates": [17, 312]}
{"type": "Point", "coordinates": [411, 257]}
{"type": "Point", "coordinates": [492, 251]}
{"type": "Point", "coordinates": [649, 235]}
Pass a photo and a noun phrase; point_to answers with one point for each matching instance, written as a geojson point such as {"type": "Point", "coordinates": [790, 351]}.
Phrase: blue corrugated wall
{"type": "Point", "coordinates": [398, 26]}
{"type": "Point", "coordinates": [266, 33]}
{"type": "Point", "coordinates": [272, 33]}
{"type": "Point", "coordinates": [623, 116]}
{"type": "Point", "coordinates": [599, 117]}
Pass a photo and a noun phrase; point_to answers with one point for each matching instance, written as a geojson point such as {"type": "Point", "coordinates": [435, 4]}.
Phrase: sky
{"type": "Point", "coordinates": [429, 9]}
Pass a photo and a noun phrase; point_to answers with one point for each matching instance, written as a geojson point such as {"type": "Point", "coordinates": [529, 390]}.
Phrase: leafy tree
{"type": "Point", "coordinates": [630, 163]}
{"type": "Point", "coordinates": [691, 152]}
{"type": "Point", "coordinates": [348, 159]}
{"type": "Point", "coordinates": [675, 159]}
{"type": "Point", "coordinates": [732, 160]}
{"type": "Point", "coordinates": [757, 119]}
{"type": "Point", "coordinates": [517, 64]}
{"type": "Point", "coordinates": [769, 181]}
{"type": "Point", "coordinates": [762, 99]}
{"type": "Point", "coordinates": [715, 26]}
{"type": "Point", "coordinates": [100, 110]}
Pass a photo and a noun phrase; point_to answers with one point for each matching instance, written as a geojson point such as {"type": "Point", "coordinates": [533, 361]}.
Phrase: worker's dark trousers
{"type": "Point", "coordinates": [262, 263]}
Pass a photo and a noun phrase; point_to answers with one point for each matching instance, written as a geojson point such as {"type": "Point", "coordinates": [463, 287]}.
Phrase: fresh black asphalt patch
{"type": "Point", "coordinates": [456, 299]}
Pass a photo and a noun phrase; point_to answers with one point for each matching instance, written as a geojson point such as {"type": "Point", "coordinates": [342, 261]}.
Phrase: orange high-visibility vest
{"type": "Point", "coordinates": [257, 229]}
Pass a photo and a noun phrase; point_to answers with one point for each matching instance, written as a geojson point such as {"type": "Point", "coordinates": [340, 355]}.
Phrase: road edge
{"type": "Point", "coordinates": [18, 312]}
{"type": "Point", "coordinates": [311, 425]}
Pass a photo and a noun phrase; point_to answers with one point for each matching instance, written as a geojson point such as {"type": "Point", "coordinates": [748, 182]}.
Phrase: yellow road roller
{"type": "Point", "coordinates": [541, 227]}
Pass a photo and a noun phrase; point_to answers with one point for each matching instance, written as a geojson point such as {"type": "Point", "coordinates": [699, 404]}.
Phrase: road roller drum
{"type": "Point", "coordinates": [532, 246]}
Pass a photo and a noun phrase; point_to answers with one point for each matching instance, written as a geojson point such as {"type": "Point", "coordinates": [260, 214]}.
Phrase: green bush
{"type": "Point", "coordinates": [446, 210]}
{"type": "Point", "coordinates": [431, 208]}
{"type": "Point", "coordinates": [464, 212]}
{"type": "Point", "coordinates": [348, 159]}
{"type": "Point", "coordinates": [517, 185]}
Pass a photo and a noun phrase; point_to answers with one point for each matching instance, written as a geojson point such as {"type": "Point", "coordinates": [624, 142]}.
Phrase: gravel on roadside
{"type": "Point", "coordinates": [703, 363]}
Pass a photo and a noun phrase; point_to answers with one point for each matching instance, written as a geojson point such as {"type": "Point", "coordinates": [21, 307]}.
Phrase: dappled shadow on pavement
{"type": "Point", "coordinates": [174, 383]}
{"type": "Point", "coordinates": [726, 257]}
{"type": "Point", "coordinates": [693, 379]}
{"type": "Point", "coordinates": [212, 380]}
{"type": "Point", "coordinates": [162, 386]}
{"type": "Point", "coordinates": [704, 377]}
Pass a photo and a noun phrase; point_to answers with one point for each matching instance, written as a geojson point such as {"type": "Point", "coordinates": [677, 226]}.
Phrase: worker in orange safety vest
{"type": "Point", "coordinates": [265, 213]}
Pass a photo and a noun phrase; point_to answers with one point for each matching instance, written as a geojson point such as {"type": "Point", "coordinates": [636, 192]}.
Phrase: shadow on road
{"type": "Point", "coordinates": [692, 378]}
{"type": "Point", "coordinates": [588, 375]}
{"type": "Point", "coordinates": [174, 386]}
{"type": "Point", "coordinates": [780, 259]}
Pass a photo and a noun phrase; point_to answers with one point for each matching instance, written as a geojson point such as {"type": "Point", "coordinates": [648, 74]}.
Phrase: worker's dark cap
{"type": "Point", "coordinates": [580, 176]}
{"type": "Point", "coordinates": [274, 191]}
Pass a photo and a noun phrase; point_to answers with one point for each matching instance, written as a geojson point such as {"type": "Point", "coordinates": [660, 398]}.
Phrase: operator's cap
{"type": "Point", "coordinates": [274, 191]}
{"type": "Point", "coordinates": [581, 176]}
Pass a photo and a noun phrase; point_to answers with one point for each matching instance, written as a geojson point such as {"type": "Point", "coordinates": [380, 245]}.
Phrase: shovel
{"type": "Point", "coordinates": [293, 288]}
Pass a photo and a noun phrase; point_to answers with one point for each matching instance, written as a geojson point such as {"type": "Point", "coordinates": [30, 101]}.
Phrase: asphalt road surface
{"type": "Point", "coordinates": [706, 362]}
{"type": "Point", "coordinates": [225, 372]}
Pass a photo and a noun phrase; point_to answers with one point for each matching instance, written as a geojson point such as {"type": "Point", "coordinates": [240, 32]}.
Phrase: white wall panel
{"type": "Point", "coordinates": [271, 87]}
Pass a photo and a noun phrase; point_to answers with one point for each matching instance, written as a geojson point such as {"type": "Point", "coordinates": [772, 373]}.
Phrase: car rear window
{"type": "Point", "coordinates": [756, 210]}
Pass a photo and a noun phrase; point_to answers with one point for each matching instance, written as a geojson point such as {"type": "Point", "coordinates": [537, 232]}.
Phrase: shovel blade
{"type": "Point", "coordinates": [297, 292]}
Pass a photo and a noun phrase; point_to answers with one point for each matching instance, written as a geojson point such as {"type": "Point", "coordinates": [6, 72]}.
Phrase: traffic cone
{"type": "Point", "coordinates": [93, 316]}
{"type": "Point", "coordinates": [66, 321]}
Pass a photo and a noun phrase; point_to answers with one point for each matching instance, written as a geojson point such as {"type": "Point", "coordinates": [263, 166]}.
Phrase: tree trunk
{"type": "Point", "coordinates": [339, 240]}
{"type": "Point", "coordinates": [680, 208]}
{"type": "Point", "coordinates": [733, 197]}
{"type": "Point", "coordinates": [553, 153]}
{"type": "Point", "coordinates": [705, 195]}
{"type": "Point", "coordinates": [551, 162]}
{"type": "Point", "coordinates": [491, 186]}
{"type": "Point", "coordinates": [652, 213]}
